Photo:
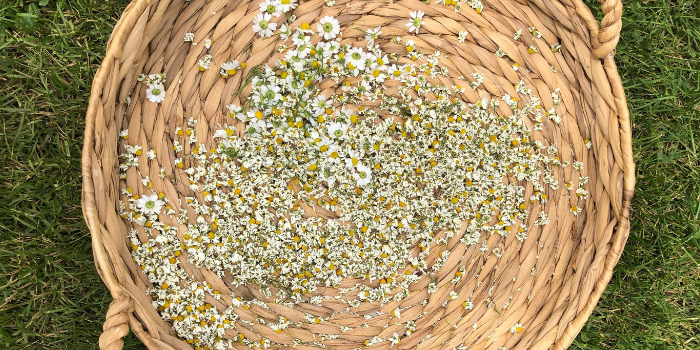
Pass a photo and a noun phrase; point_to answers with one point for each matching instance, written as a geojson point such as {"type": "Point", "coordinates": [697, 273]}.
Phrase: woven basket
{"type": "Point", "coordinates": [573, 257]}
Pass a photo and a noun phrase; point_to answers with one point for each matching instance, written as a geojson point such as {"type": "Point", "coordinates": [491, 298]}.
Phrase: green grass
{"type": "Point", "coordinates": [52, 298]}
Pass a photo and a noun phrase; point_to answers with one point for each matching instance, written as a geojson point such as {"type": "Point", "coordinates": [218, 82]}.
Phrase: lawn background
{"type": "Point", "coordinates": [52, 298]}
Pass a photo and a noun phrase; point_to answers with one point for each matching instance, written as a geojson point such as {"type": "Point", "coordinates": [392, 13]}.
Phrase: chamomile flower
{"type": "Point", "coordinates": [320, 105]}
{"type": "Point", "coordinates": [582, 193]}
{"type": "Point", "coordinates": [535, 33]}
{"type": "Point", "coordinates": [576, 209]}
{"type": "Point", "coordinates": [271, 7]}
{"type": "Point", "coordinates": [395, 72]}
{"type": "Point", "coordinates": [416, 21]}
{"type": "Point", "coordinates": [262, 25]}
{"type": "Point", "coordinates": [285, 31]}
{"type": "Point", "coordinates": [287, 5]}
{"type": "Point", "coordinates": [372, 34]}
{"type": "Point", "coordinates": [229, 68]}
{"type": "Point", "coordinates": [155, 93]}
{"type": "Point", "coordinates": [221, 133]}
{"type": "Point", "coordinates": [205, 62]}
{"type": "Point", "coordinates": [234, 111]}
{"type": "Point", "coordinates": [149, 204]}
{"type": "Point", "coordinates": [476, 5]}
{"type": "Point", "coordinates": [363, 175]}
{"type": "Point", "coordinates": [356, 59]}
{"type": "Point", "coordinates": [257, 127]}
{"type": "Point", "coordinates": [462, 36]}
{"type": "Point", "coordinates": [328, 27]}
{"type": "Point", "coordinates": [270, 94]}
{"type": "Point", "coordinates": [517, 36]}
{"type": "Point", "coordinates": [353, 159]}
{"type": "Point", "coordinates": [338, 131]}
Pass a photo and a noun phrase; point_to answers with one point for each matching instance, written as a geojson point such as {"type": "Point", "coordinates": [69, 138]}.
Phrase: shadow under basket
{"type": "Point", "coordinates": [550, 283]}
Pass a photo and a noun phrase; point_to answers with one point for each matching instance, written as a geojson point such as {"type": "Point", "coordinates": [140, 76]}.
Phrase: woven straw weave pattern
{"type": "Point", "coordinates": [573, 256]}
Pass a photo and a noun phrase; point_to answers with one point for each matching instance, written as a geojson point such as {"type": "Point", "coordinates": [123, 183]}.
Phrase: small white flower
{"type": "Point", "coordinates": [582, 193]}
{"type": "Point", "coordinates": [372, 34]}
{"type": "Point", "coordinates": [229, 68]}
{"type": "Point", "coordinates": [518, 35]}
{"type": "Point", "coordinates": [500, 52]}
{"type": "Point", "coordinates": [517, 328]}
{"type": "Point", "coordinates": [155, 93]}
{"type": "Point", "coordinates": [338, 131]}
{"type": "Point", "coordinates": [476, 5]}
{"type": "Point", "coordinates": [221, 133]}
{"type": "Point", "coordinates": [535, 33]}
{"type": "Point", "coordinates": [576, 210]}
{"type": "Point", "coordinates": [320, 105]}
{"type": "Point", "coordinates": [353, 159]}
{"type": "Point", "coordinates": [462, 36]}
{"type": "Point", "coordinates": [363, 175]}
{"type": "Point", "coordinates": [263, 26]}
{"type": "Point", "coordinates": [356, 59]}
{"type": "Point", "coordinates": [149, 204]}
{"type": "Point", "coordinates": [205, 62]}
{"type": "Point", "coordinates": [285, 32]}
{"type": "Point", "coordinates": [416, 21]}
{"type": "Point", "coordinates": [328, 27]}
{"type": "Point", "coordinates": [395, 72]}
{"type": "Point", "coordinates": [189, 37]}
{"type": "Point", "coordinates": [287, 5]}
{"type": "Point", "coordinates": [271, 6]}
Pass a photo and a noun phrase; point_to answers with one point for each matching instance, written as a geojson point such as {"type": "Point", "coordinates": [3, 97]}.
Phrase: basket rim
{"type": "Point", "coordinates": [122, 314]}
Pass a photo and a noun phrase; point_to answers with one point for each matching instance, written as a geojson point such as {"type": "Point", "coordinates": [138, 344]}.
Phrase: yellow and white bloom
{"type": "Point", "coordinates": [149, 205]}
{"type": "Point", "coordinates": [416, 21]}
{"type": "Point", "coordinates": [229, 68]}
{"type": "Point", "coordinates": [155, 93]}
{"type": "Point", "coordinates": [328, 27]}
{"type": "Point", "coordinates": [363, 175]}
{"type": "Point", "coordinates": [262, 25]}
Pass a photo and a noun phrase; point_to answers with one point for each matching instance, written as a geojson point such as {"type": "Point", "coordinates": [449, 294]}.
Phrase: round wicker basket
{"type": "Point", "coordinates": [551, 283]}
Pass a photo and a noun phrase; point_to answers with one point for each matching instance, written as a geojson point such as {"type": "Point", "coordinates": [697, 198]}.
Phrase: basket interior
{"type": "Point", "coordinates": [549, 283]}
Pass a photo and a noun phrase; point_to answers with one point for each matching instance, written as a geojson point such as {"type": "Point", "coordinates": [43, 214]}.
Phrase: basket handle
{"type": "Point", "coordinates": [608, 33]}
{"type": "Point", "coordinates": [116, 325]}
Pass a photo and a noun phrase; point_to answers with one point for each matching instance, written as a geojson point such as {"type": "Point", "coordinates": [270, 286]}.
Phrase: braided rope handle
{"type": "Point", "coordinates": [610, 27]}
{"type": "Point", "coordinates": [116, 325]}
{"type": "Point", "coordinates": [606, 35]}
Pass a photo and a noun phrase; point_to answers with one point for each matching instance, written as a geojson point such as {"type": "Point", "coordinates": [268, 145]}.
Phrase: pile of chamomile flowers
{"type": "Point", "coordinates": [317, 188]}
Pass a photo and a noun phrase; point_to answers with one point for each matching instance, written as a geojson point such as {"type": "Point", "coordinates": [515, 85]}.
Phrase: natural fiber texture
{"type": "Point", "coordinates": [573, 256]}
